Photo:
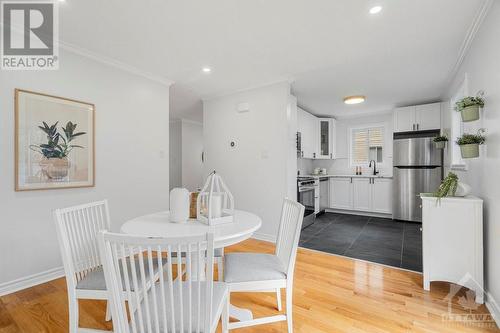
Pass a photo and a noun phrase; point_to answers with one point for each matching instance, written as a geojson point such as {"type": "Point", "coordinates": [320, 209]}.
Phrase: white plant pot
{"type": "Point", "coordinates": [463, 189]}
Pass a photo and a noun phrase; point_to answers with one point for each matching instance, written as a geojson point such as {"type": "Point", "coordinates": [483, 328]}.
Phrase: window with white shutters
{"type": "Point", "coordinates": [367, 144]}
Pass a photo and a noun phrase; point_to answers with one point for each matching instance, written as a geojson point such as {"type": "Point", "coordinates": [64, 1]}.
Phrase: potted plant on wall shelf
{"type": "Point", "coordinates": [54, 163]}
{"type": "Point", "coordinates": [469, 107]}
{"type": "Point", "coordinates": [440, 141]}
{"type": "Point", "coordinates": [469, 144]}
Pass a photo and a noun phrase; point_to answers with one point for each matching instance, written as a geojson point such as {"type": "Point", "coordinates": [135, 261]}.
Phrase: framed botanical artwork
{"type": "Point", "coordinates": [54, 142]}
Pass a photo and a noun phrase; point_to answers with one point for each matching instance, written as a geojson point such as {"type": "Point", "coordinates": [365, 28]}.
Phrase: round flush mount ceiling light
{"type": "Point", "coordinates": [206, 69]}
{"type": "Point", "coordinates": [354, 99]}
{"type": "Point", "coordinates": [375, 10]}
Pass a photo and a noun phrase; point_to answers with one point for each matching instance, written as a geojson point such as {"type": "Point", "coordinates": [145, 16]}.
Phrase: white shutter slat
{"type": "Point", "coordinates": [364, 139]}
{"type": "Point", "coordinates": [376, 137]}
{"type": "Point", "coordinates": [360, 145]}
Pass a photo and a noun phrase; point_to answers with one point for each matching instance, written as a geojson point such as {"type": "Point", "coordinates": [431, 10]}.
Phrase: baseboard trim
{"type": "Point", "coordinates": [355, 212]}
{"type": "Point", "coordinates": [30, 281]}
{"type": "Point", "coordinates": [492, 306]}
{"type": "Point", "coordinates": [264, 237]}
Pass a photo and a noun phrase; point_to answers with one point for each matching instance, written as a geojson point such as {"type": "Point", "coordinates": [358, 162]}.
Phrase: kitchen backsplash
{"type": "Point", "coordinates": [339, 166]}
{"type": "Point", "coordinates": [305, 166]}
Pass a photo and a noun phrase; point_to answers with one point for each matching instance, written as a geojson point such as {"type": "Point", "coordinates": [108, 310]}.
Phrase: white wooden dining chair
{"type": "Point", "coordinates": [77, 230]}
{"type": "Point", "coordinates": [190, 303]}
{"type": "Point", "coordinates": [259, 272]}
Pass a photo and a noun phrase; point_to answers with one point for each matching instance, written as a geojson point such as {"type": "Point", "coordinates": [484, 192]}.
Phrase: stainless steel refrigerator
{"type": "Point", "coordinates": [418, 168]}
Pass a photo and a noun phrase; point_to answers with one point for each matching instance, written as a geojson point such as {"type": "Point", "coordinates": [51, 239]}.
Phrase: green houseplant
{"type": "Point", "coordinates": [448, 186]}
{"type": "Point", "coordinates": [54, 162]}
{"type": "Point", "coordinates": [469, 144]}
{"type": "Point", "coordinates": [440, 141]}
{"type": "Point", "coordinates": [469, 107]}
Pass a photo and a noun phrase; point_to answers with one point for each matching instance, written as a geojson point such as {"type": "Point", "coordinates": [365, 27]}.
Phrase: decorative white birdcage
{"type": "Point", "coordinates": [215, 203]}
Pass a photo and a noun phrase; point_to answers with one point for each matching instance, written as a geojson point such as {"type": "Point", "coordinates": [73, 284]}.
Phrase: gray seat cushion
{"type": "Point", "coordinates": [220, 291]}
{"type": "Point", "coordinates": [218, 253]}
{"type": "Point", "coordinates": [95, 280]}
{"type": "Point", "coordinates": [246, 267]}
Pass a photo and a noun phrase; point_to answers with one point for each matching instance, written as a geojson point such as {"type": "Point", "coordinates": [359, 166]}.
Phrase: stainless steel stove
{"type": "Point", "coordinates": [308, 195]}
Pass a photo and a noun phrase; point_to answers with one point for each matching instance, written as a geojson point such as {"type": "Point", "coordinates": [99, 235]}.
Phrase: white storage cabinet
{"type": "Point", "coordinates": [452, 242]}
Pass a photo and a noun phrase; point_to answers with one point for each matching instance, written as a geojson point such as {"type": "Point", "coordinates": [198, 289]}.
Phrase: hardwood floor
{"type": "Point", "coordinates": [331, 294]}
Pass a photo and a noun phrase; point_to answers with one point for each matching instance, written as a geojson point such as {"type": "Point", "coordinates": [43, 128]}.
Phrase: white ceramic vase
{"type": "Point", "coordinates": [463, 189]}
{"type": "Point", "coordinates": [179, 205]}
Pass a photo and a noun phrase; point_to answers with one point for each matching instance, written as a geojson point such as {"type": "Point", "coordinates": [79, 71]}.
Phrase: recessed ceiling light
{"type": "Point", "coordinates": [206, 69]}
{"type": "Point", "coordinates": [375, 10]}
{"type": "Point", "coordinates": [354, 99]}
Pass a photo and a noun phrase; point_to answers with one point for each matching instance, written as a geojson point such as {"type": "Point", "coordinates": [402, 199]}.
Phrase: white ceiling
{"type": "Point", "coordinates": [331, 48]}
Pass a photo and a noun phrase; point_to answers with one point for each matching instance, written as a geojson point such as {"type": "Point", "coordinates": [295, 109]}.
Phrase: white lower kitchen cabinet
{"type": "Point", "coordinates": [381, 195]}
{"type": "Point", "coordinates": [361, 194]}
{"type": "Point", "coordinates": [340, 193]}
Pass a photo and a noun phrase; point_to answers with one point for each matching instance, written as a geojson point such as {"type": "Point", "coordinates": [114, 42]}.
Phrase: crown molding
{"type": "Point", "coordinates": [469, 37]}
{"type": "Point", "coordinates": [191, 121]}
{"type": "Point", "coordinates": [185, 121]}
{"type": "Point", "coordinates": [114, 63]}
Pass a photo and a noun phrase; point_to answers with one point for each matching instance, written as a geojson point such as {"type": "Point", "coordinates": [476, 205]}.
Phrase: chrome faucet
{"type": "Point", "coordinates": [375, 172]}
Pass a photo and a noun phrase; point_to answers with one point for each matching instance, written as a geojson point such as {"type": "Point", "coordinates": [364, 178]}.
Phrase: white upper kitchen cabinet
{"type": "Point", "coordinates": [404, 119]}
{"type": "Point", "coordinates": [326, 137]}
{"type": "Point", "coordinates": [381, 195]}
{"type": "Point", "coordinates": [417, 118]}
{"type": "Point", "coordinates": [428, 116]}
{"type": "Point", "coordinates": [361, 194]}
{"type": "Point", "coordinates": [307, 125]}
{"type": "Point", "coordinates": [340, 193]}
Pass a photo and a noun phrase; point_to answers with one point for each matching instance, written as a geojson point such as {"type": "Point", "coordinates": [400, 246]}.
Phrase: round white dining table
{"type": "Point", "coordinates": [159, 225]}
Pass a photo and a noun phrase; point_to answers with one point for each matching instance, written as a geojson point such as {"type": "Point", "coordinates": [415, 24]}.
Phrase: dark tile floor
{"type": "Point", "coordinates": [379, 240]}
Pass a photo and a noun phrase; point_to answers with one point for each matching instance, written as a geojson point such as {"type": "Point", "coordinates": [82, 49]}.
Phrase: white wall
{"type": "Point", "coordinates": [256, 170]}
{"type": "Point", "coordinates": [132, 115]}
{"type": "Point", "coordinates": [175, 156]}
{"type": "Point", "coordinates": [192, 149]}
{"type": "Point", "coordinates": [482, 66]}
{"type": "Point", "coordinates": [342, 136]}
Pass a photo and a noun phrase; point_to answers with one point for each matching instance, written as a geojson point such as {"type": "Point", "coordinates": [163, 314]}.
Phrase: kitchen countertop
{"type": "Point", "coordinates": [349, 176]}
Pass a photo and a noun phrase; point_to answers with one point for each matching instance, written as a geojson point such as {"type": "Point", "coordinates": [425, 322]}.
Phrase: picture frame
{"type": "Point", "coordinates": [54, 142]}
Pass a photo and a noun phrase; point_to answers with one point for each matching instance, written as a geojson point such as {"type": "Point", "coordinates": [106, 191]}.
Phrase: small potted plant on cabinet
{"type": "Point", "coordinates": [448, 186]}
{"type": "Point", "coordinates": [469, 144]}
{"type": "Point", "coordinates": [440, 141]}
{"type": "Point", "coordinates": [469, 107]}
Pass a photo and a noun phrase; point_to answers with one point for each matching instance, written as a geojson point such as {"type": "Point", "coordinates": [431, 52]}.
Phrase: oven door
{"type": "Point", "coordinates": [305, 196]}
